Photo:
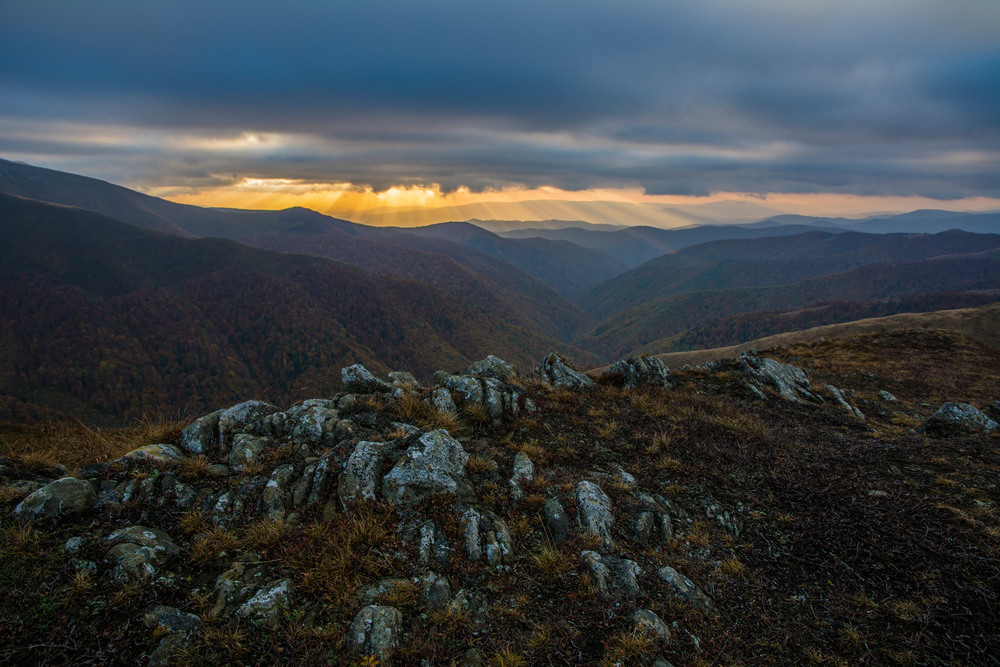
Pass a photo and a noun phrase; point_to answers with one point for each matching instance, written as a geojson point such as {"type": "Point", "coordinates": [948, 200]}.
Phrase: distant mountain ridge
{"type": "Point", "coordinates": [107, 321]}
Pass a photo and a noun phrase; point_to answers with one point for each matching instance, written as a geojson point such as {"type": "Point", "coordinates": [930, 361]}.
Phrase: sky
{"type": "Point", "coordinates": [412, 112]}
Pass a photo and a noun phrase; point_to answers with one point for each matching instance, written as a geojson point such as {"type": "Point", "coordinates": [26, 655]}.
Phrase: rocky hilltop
{"type": "Point", "coordinates": [741, 512]}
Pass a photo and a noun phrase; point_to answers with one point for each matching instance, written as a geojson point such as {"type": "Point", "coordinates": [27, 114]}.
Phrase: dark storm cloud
{"type": "Point", "coordinates": [678, 97]}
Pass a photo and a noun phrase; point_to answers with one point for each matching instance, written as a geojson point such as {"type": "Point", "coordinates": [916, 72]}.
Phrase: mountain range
{"type": "Point", "coordinates": [120, 303]}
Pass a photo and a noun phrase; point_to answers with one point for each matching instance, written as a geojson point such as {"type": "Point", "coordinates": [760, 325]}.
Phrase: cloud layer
{"type": "Point", "coordinates": [873, 97]}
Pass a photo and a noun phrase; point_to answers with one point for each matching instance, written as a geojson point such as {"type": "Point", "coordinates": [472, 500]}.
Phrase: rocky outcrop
{"type": "Point", "coordinates": [637, 372]}
{"type": "Point", "coordinates": [684, 589]}
{"type": "Point", "coordinates": [486, 385]}
{"type": "Point", "coordinates": [789, 381]}
{"type": "Point", "coordinates": [554, 371]}
{"type": "Point", "coordinates": [359, 380]}
{"type": "Point", "coordinates": [959, 418]}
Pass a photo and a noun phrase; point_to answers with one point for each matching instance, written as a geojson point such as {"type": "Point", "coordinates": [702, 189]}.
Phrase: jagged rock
{"type": "Point", "coordinates": [171, 619]}
{"type": "Point", "coordinates": [443, 402]}
{"type": "Point", "coordinates": [312, 422]}
{"type": "Point", "coordinates": [685, 589]}
{"type": "Point", "coordinates": [646, 622]}
{"type": "Point", "coordinates": [375, 632]}
{"type": "Point", "coordinates": [434, 464]}
{"type": "Point", "coordinates": [486, 535]}
{"type": "Point", "coordinates": [491, 367]}
{"type": "Point", "coordinates": [524, 471]}
{"type": "Point", "coordinates": [272, 500]}
{"type": "Point", "coordinates": [838, 395]}
{"type": "Point", "coordinates": [246, 449]}
{"type": "Point", "coordinates": [404, 380]}
{"type": "Point", "coordinates": [246, 418]}
{"type": "Point", "coordinates": [178, 625]}
{"type": "Point", "coordinates": [469, 388]}
{"type": "Point", "coordinates": [154, 453]}
{"type": "Point", "coordinates": [554, 371]}
{"type": "Point", "coordinates": [959, 418]}
{"type": "Point", "coordinates": [637, 372]}
{"type": "Point", "coordinates": [139, 552]}
{"type": "Point", "coordinates": [556, 520]}
{"type": "Point", "coordinates": [362, 472]}
{"type": "Point", "coordinates": [358, 379]}
{"type": "Point", "coordinates": [612, 577]}
{"type": "Point", "coordinates": [61, 498]}
{"type": "Point", "coordinates": [594, 513]}
{"type": "Point", "coordinates": [887, 397]}
{"type": "Point", "coordinates": [268, 604]}
{"type": "Point", "coordinates": [789, 381]}
{"type": "Point", "coordinates": [431, 544]}
{"type": "Point", "coordinates": [202, 435]}
{"type": "Point", "coordinates": [499, 398]}
{"type": "Point", "coordinates": [435, 591]}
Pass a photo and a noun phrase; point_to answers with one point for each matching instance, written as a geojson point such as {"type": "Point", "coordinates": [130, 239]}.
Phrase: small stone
{"type": "Point", "coordinates": [556, 520]}
{"type": "Point", "coordinates": [685, 589]}
{"type": "Point", "coordinates": [648, 623]}
{"type": "Point", "coordinates": [887, 397]}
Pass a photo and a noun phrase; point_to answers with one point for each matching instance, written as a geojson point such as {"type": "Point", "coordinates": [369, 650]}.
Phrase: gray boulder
{"type": "Point", "coordinates": [789, 381]}
{"type": "Point", "coordinates": [554, 371]}
{"type": "Point", "coordinates": [684, 589]}
{"type": "Point", "coordinates": [486, 536]}
{"type": "Point", "coordinates": [524, 471]}
{"type": "Point", "coordinates": [594, 513]}
{"type": "Point", "coordinates": [359, 380]}
{"type": "Point", "coordinates": [556, 520]}
{"type": "Point", "coordinates": [613, 577]}
{"type": "Point", "coordinates": [959, 418]}
{"type": "Point", "coordinates": [268, 603]}
{"type": "Point", "coordinates": [375, 632]}
{"type": "Point", "coordinates": [249, 417]}
{"type": "Point", "coordinates": [246, 449]}
{"type": "Point", "coordinates": [202, 435]}
{"type": "Point", "coordinates": [61, 498]}
{"type": "Point", "coordinates": [443, 402]}
{"type": "Point", "coordinates": [637, 372]}
{"type": "Point", "coordinates": [154, 454]}
{"type": "Point", "coordinates": [362, 472]}
{"type": "Point", "coordinates": [491, 367]}
{"type": "Point", "coordinates": [434, 464]}
{"type": "Point", "coordinates": [139, 552]}
{"type": "Point", "coordinates": [646, 622]}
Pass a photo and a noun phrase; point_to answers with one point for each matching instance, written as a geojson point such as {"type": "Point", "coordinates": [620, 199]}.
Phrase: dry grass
{"type": "Point", "coordinates": [75, 444]}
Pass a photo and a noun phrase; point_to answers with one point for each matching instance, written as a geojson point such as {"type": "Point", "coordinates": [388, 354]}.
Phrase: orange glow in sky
{"type": "Point", "coordinates": [421, 205]}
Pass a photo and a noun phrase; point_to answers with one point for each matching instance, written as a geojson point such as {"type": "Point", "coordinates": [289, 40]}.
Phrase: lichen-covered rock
{"type": "Point", "coordinates": [612, 577]}
{"type": "Point", "coordinates": [684, 589]}
{"type": "Point", "coordinates": [594, 513]}
{"type": "Point", "coordinates": [362, 472]}
{"type": "Point", "coordinates": [524, 471]}
{"type": "Point", "coordinates": [61, 498]}
{"type": "Point", "coordinates": [375, 633]}
{"type": "Point", "coordinates": [248, 418]}
{"type": "Point", "coordinates": [435, 591]}
{"type": "Point", "coordinates": [154, 454]}
{"type": "Point", "coordinates": [789, 381]}
{"type": "Point", "coordinates": [443, 402]}
{"type": "Point", "coordinates": [202, 435]}
{"type": "Point", "coordinates": [646, 622]}
{"type": "Point", "coordinates": [246, 449]}
{"type": "Point", "coordinates": [359, 380]}
{"type": "Point", "coordinates": [554, 371]}
{"type": "Point", "coordinates": [177, 625]}
{"type": "Point", "coordinates": [959, 418]}
{"type": "Point", "coordinates": [138, 553]}
{"type": "Point", "coordinates": [313, 423]}
{"type": "Point", "coordinates": [434, 464]}
{"type": "Point", "coordinates": [491, 367]}
{"type": "Point", "coordinates": [273, 501]}
{"type": "Point", "coordinates": [498, 397]}
{"type": "Point", "coordinates": [637, 372]}
{"type": "Point", "coordinates": [268, 604]}
{"type": "Point", "coordinates": [486, 536]}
